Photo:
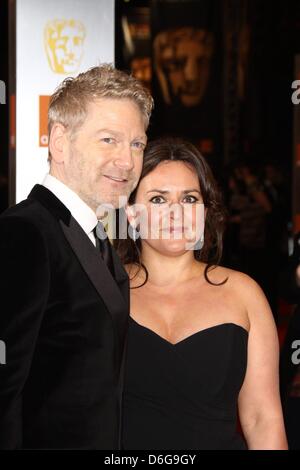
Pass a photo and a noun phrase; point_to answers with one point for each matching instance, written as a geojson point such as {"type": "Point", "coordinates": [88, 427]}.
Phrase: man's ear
{"type": "Point", "coordinates": [57, 142]}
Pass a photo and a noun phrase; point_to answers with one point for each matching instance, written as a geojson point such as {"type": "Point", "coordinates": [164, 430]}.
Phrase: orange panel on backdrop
{"type": "Point", "coordinates": [43, 111]}
{"type": "Point", "coordinates": [297, 223]}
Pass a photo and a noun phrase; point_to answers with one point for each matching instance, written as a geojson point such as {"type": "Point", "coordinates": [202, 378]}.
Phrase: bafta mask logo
{"type": "Point", "coordinates": [64, 41]}
{"type": "Point", "coordinates": [182, 60]}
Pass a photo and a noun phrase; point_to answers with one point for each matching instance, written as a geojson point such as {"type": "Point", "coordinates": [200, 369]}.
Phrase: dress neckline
{"type": "Point", "coordinates": [187, 338]}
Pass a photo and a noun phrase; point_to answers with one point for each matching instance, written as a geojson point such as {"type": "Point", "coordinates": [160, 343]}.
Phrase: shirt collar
{"type": "Point", "coordinates": [81, 212]}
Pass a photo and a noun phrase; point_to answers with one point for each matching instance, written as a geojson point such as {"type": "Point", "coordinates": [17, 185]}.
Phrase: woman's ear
{"type": "Point", "coordinates": [131, 216]}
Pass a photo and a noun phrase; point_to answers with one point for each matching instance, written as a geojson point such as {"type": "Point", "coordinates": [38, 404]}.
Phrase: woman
{"type": "Point", "coordinates": [202, 340]}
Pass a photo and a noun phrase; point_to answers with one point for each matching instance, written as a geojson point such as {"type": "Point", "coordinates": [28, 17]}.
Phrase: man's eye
{"type": "Point", "coordinates": [139, 145]}
{"type": "Point", "coordinates": [108, 140]}
{"type": "Point", "coordinates": [190, 199]}
{"type": "Point", "coordinates": [157, 200]}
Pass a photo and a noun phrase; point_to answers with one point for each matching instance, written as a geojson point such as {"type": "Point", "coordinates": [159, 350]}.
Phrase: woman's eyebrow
{"type": "Point", "coordinates": [186, 191]}
{"type": "Point", "coordinates": [158, 191]}
{"type": "Point", "coordinates": [191, 191]}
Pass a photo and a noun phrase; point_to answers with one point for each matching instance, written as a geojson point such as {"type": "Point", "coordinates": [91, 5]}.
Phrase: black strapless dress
{"type": "Point", "coordinates": [183, 396]}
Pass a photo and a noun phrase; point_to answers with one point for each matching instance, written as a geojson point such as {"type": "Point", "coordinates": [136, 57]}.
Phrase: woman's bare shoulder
{"type": "Point", "coordinates": [233, 278]}
{"type": "Point", "coordinates": [248, 293]}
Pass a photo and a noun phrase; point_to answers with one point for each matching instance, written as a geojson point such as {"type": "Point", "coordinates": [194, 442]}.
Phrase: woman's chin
{"type": "Point", "coordinates": [173, 247]}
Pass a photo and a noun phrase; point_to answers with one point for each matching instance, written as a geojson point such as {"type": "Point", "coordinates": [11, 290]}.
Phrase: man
{"type": "Point", "coordinates": [63, 313]}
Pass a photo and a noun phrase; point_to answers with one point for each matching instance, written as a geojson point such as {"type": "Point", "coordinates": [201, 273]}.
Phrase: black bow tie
{"type": "Point", "coordinates": [104, 246]}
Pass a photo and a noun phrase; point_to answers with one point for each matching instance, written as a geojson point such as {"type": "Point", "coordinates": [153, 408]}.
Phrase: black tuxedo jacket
{"type": "Point", "coordinates": [64, 321]}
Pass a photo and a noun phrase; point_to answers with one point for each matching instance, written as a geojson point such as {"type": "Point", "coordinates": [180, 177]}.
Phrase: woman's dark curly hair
{"type": "Point", "coordinates": [173, 149]}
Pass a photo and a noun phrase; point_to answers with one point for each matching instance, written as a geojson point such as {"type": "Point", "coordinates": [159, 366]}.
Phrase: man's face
{"type": "Point", "coordinates": [105, 156]}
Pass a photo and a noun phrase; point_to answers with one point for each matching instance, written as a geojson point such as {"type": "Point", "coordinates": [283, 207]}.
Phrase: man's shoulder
{"type": "Point", "coordinates": [21, 221]}
{"type": "Point", "coordinates": [29, 215]}
{"type": "Point", "coordinates": [26, 211]}
{"type": "Point", "coordinates": [40, 207]}
{"type": "Point", "coordinates": [23, 210]}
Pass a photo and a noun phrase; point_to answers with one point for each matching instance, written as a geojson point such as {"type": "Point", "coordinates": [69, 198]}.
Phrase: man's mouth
{"type": "Point", "coordinates": [116, 179]}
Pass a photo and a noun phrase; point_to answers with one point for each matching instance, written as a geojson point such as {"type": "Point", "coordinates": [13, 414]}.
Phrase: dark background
{"type": "Point", "coordinates": [4, 120]}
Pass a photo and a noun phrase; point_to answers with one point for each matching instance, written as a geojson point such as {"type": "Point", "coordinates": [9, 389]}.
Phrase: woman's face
{"type": "Point", "coordinates": [169, 211]}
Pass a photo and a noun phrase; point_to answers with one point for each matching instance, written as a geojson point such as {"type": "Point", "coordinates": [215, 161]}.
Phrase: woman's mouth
{"type": "Point", "coordinates": [174, 229]}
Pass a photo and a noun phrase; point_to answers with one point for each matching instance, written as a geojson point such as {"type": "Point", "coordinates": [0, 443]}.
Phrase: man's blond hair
{"type": "Point", "coordinates": [68, 104]}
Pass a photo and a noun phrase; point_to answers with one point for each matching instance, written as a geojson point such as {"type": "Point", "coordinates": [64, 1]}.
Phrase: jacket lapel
{"type": "Point", "coordinates": [113, 291]}
{"type": "Point", "coordinates": [94, 266]}
{"type": "Point", "coordinates": [121, 277]}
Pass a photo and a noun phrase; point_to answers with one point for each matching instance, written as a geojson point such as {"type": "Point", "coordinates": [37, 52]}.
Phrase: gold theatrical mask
{"type": "Point", "coordinates": [182, 60]}
{"type": "Point", "coordinates": [141, 69]}
{"type": "Point", "coordinates": [64, 41]}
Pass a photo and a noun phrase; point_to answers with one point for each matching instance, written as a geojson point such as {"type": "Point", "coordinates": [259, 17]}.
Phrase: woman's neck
{"type": "Point", "coordinates": [169, 271]}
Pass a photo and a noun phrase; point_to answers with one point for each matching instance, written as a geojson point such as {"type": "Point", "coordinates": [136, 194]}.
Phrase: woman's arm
{"type": "Point", "coordinates": [259, 399]}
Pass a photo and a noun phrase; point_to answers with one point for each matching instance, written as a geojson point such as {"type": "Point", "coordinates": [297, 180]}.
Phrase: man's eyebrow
{"type": "Point", "coordinates": [186, 191]}
{"type": "Point", "coordinates": [119, 134]}
{"type": "Point", "coordinates": [110, 131]}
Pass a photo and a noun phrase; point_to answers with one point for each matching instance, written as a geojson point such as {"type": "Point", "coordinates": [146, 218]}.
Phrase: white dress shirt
{"type": "Point", "coordinates": [81, 212]}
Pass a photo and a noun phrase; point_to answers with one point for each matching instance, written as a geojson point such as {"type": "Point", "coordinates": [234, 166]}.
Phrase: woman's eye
{"type": "Point", "coordinates": [190, 199]}
{"type": "Point", "coordinates": [157, 200]}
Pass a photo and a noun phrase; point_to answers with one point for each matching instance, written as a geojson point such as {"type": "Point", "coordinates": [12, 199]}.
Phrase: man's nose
{"type": "Point", "coordinates": [124, 160]}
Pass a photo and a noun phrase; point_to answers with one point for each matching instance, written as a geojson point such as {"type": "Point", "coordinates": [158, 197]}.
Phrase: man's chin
{"type": "Point", "coordinates": [114, 198]}
{"type": "Point", "coordinates": [113, 203]}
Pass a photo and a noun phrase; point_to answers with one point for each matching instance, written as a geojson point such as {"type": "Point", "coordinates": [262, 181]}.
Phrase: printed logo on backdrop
{"type": "Point", "coordinates": [64, 41]}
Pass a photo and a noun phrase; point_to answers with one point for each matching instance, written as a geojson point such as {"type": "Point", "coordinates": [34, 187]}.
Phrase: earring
{"type": "Point", "coordinates": [132, 232]}
{"type": "Point", "coordinates": [200, 242]}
